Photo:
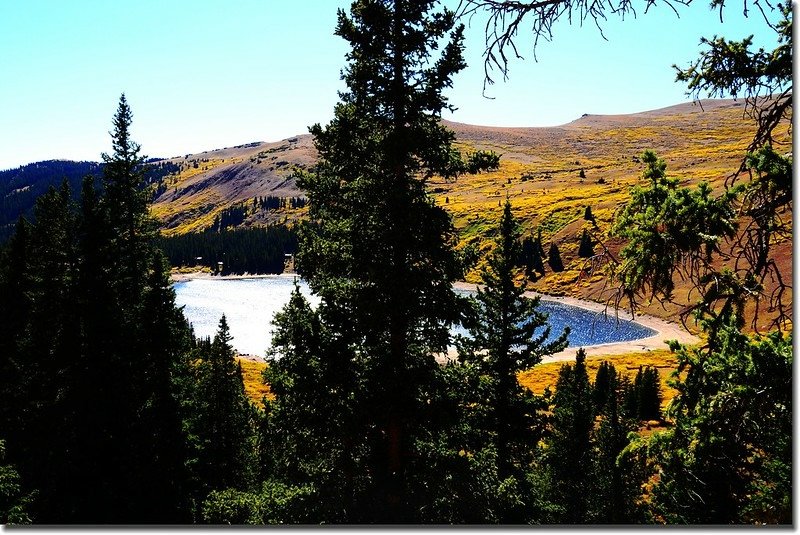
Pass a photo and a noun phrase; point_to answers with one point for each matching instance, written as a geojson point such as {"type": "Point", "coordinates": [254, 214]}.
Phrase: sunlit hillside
{"type": "Point", "coordinates": [551, 176]}
{"type": "Point", "coordinates": [211, 181]}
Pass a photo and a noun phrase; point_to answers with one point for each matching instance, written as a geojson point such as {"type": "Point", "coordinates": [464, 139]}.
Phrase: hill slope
{"type": "Point", "coordinates": [700, 143]}
{"type": "Point", "coordinates": [550, 174]}
{"type": "Point", "coordinates": [211, 181]}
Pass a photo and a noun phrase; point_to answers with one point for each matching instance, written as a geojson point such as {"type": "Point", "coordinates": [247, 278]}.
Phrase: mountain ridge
{"type": "Point", "coordinates": [551, 175]}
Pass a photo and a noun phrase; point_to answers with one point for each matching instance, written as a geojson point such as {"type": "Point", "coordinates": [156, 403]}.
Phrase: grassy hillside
{"type": "Point", "coordinates": [540, 167]}
{"type": "Point", "coordinates": [550, 174]}
{"type": "Point", "coordinates": [541, 172]}
{"type": "Point", "coordinates": [212, 181]}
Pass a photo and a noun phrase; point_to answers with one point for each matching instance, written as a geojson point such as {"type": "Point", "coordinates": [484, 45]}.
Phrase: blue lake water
{"type": "Point", "coordinates": [250, 304]}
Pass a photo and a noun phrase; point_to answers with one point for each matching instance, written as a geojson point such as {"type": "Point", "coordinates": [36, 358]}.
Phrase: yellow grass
{"type": "Point", "coordinates": [546, 375]}
{"type": "Point", "coordinates": [254, 385]}
{"type": "Point", "coordinates": [536, 379]}
{"type": "Point", "coordinates": [540, 174]}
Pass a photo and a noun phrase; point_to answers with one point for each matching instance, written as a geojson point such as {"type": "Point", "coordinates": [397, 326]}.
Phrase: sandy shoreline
{"type": "Point", "coordinates": [665, 330]}
{"type": "Point", "coordinates": [183, 277]}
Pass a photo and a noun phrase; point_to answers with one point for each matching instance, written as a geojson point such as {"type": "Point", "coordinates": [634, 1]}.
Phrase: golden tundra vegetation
{"type": "Point", "coordinates": [550, 174]}
{"type": "Point", "coordinates": [537, 379]}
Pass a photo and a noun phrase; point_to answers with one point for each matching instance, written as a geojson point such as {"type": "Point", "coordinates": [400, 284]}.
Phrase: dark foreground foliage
{"type": "Point", "coordinates": [112, 412]}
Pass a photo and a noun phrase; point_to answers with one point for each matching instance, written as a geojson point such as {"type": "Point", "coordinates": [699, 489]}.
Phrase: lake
{"type": "Point", "coordinates": [250, 304]}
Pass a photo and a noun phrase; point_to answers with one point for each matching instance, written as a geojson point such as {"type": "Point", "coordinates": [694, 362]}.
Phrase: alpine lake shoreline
{"type": "Point", "coordinates": [664, 330]}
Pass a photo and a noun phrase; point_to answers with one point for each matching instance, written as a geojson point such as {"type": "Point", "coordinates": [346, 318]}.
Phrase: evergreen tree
{"type": "Point", "coordinates": [15, 289]}
{"type": "Point", "coordinates": [504, 342]}
{"type": "Point", "coordinates": [538, 254]}
{"type": "Point", "coordinates": [718, 425]}
{"type": "Point", "coordinates": [614, 492]}
{"type": "Point", "coordinates": [605, 386]}
{"type": "Point", "coordinates": [569, 446]}
{"type": "Point", "coordinates": [630, 399]}
{"type": "Point", "coordinates": [39, 442]}
{"type": "Point", "coordinates": [148, 344]}
{"type": "Point", "coordinates": [526, 257]}
{"type": "Point", "coordinates": [313, 436]}
{"type": "Point", "coordinates": [12, 501]}
{"type": "Point", "coordinates": [728, 458]}
{"type": "Point", "coordinates": [126, 200]}
{"type": "Point", "coordinates": [648, 393]}
{"type": "Point", "coordinates": [378, 251]}
{"type": "Point", "coordinates": [585, 249]}
{"type": "Point", "coordinates": [98, 343]}
{"type": "Point", "coordinates": [554, 258]}
{"type": "Point", "coordinates": [224, 419]}
{"type": "Point", "coordinates": [588, 215]}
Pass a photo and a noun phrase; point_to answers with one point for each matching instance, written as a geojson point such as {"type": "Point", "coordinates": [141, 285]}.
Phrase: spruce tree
{"type": "Point", "coordinates": [15, 308]}
{"type": "Point", "coordinates": [313, 435]}
{"type": "Point", "coordinates": [98, 346]}
{"type": "Point", "coordinates": [39, 444]}
{"type": "Point", "coordinates": [554, 258]}
{"type": "Point", "coordinates": [126, 200]}
{"type": "Point", "coordinates": [648, 390]}
{"type": "Point", "coordinates": [585, 249]}
{"type": "Point", "coordinates": [613, 492]}
{"type": "Point", "coordinates": [538, 254]}
{"type": "Point", "coordinates": [224, 418]}
{"type": "Point", "coordinates": [605, 385]}
{"type": "Point", "coordinates": [504, 342]}
{"type": "Point", "coordinates": [378, 251]}
{"type": "Point", "coordinates": [569, 446]}
{"type": "Point", "coordinates": [526, 257]}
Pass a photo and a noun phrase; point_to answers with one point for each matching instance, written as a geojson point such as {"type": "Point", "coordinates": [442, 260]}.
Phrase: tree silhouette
{"type": "Point", "coordinates": [554, 258]}
{"type": "Point", "coordinates": [504, 342]}
{"type": "Point", "coordinates": [588, 215]}
{"type": "Point", "coordinates": [223, 419]}
{"type": "Point", "coordinates": [377, 249]}
{"type": "Point", "coordinates": [585, 249]}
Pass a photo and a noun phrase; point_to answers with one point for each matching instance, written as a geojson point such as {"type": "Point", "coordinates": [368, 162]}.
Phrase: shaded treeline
{"type": "Point", "coordinates": [20, 187]}
{"type": "Point", "coordinates": [246, 250]}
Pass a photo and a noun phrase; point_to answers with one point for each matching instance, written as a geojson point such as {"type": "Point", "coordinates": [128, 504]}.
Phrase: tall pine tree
{"type": "Point", "coordinates": [504, 342]}
{"type": "Point", "coordinates": [97, 344]}
{"type": "Point", "coordinates": [378, 251]}
{"type": "Point", "coordinates": [224, 418]}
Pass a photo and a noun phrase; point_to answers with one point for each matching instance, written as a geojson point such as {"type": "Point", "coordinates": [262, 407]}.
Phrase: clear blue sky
{"type": "Point", "coordinates": [202, 74]}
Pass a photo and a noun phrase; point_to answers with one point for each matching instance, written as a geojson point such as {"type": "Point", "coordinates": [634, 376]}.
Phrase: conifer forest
{"type": "Point", "coordinates": [114, 412]}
